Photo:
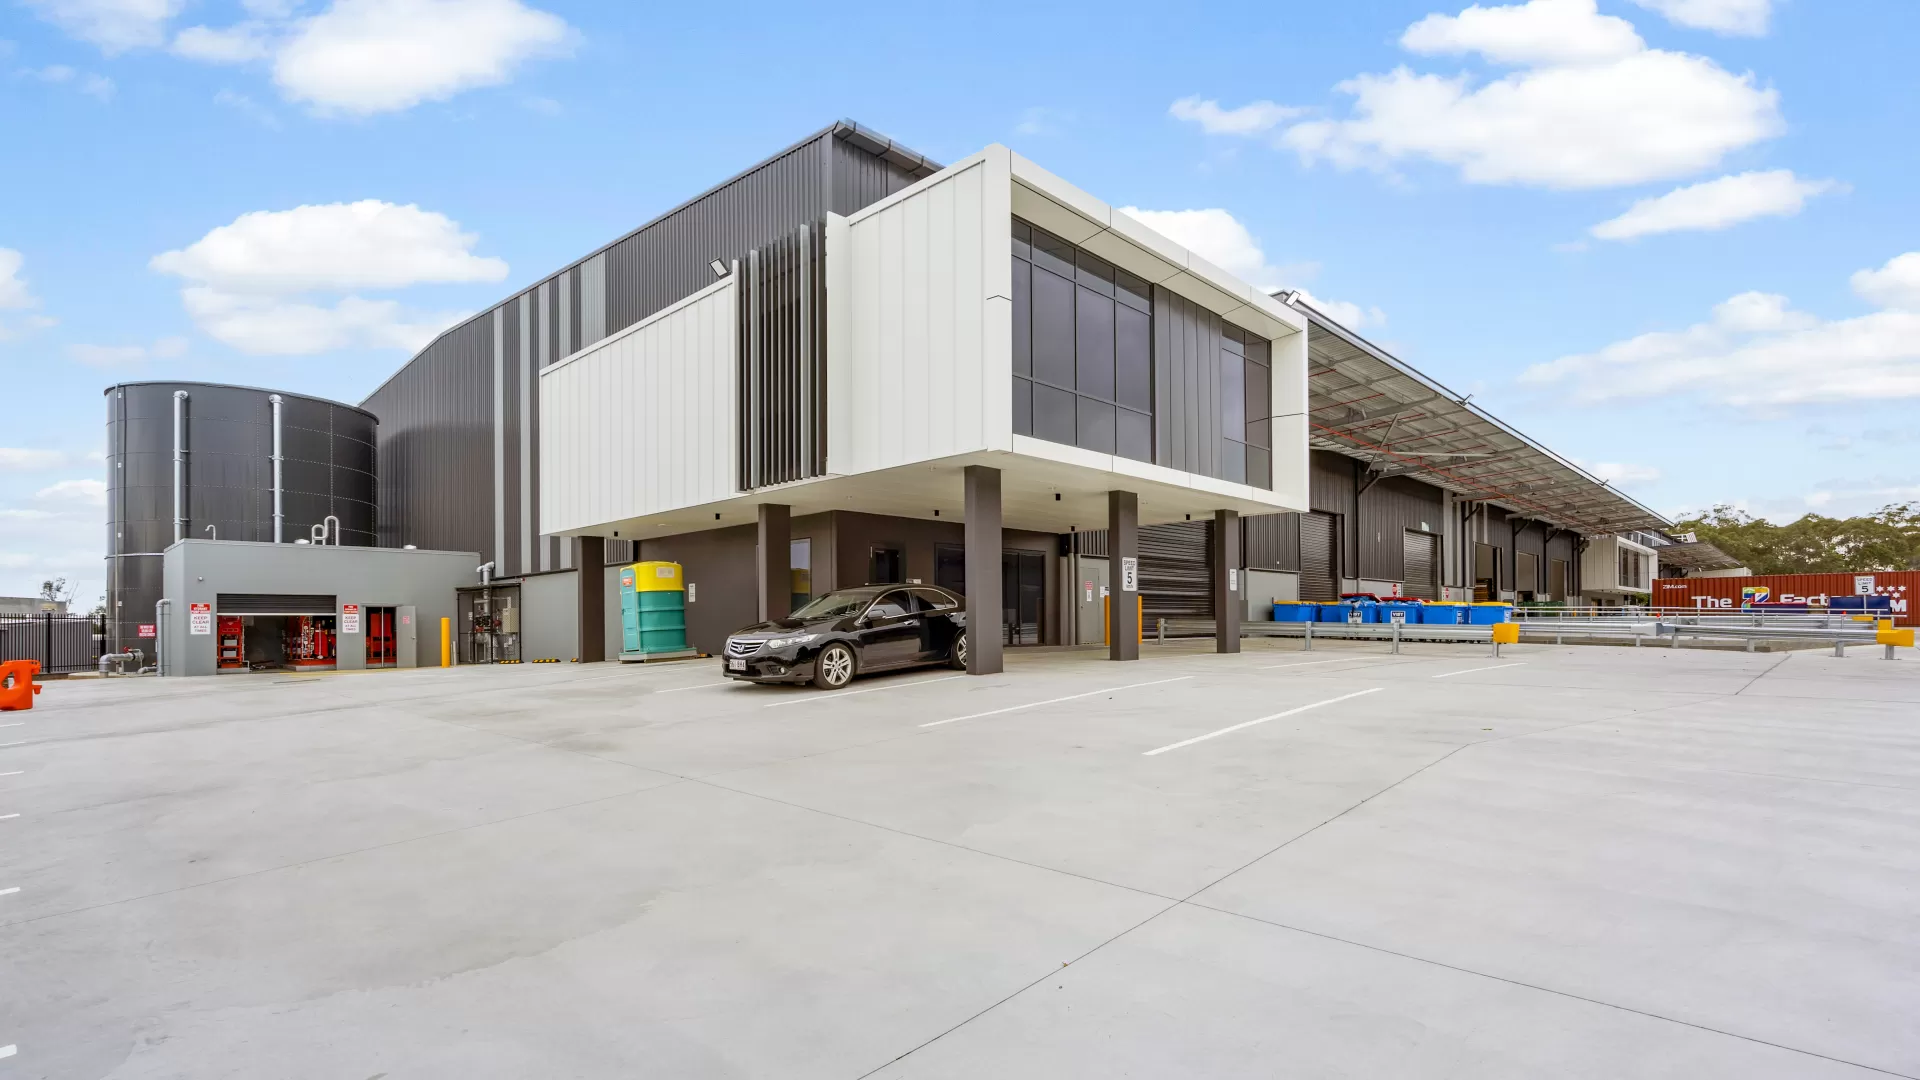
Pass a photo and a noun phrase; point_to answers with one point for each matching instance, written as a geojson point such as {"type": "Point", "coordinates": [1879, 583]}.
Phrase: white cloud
{"type": "Point", "coordinates": [1218, 237]}
{"type": "Point", "coordinates": [14, 294]}
{"type": "Point", "coordinates": [1716, 204]}
{"type": "Point", "coordinates": [114, 25]}
{"type": "Point", "coordinates": [21, 459]}
{"type": "Point", "coordinates": [91, 84]}
{"type": "Point", "coordinates": [110, 357]}
{"type": "Point", "coordinates": [1541, 32]}
{"type": "Point", "coordinates": [1350, 315]}
{"type": "Point", "coordinates": [247, 107]}
{"type": "Point", "coordinates": [1747, 18]}
{"type": "Point", "coordinates": [1895, 285]}
{"type": "Point", "coordinates": [249, 282]}
{"type": "Point", "coordinates": [372, 56]}
{"type": "Point", "coordinates": [233, 45]}
{"type": "Point", "coordinates": [1618, 473]}
{"type": "Point", "coordinates": [84, 492]}
{"type": "Point", "coordinates": [1757, 352]}
{"type": "Point", "coordinates": [1591, 105]}
{"type": "Point", "coordinates": [332, 246]}
{"type": "Point", "coordinates": [1252, 118]}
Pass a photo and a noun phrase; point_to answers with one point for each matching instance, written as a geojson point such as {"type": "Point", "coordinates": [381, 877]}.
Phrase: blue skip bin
{"type": "Point", "coordinates": [1294, 611]}
{"type": "Point", "coordinates": [1443, 614]}
{"type": "Point", "coordinates": [1489, 614]}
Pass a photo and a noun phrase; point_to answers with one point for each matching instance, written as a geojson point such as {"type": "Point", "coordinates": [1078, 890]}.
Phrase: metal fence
{"type": "Point", "coordinates": [62, 643]}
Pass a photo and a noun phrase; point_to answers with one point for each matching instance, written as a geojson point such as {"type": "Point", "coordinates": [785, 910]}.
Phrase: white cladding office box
{"type": "Point", "coordinates": [639, 432]}
{"type": "Point", "coordinates": [420, 583]}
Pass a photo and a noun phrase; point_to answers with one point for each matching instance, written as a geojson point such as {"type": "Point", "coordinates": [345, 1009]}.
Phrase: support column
{"type": "Point", "coordinates": [1227, 595]}
{"type": "Point", "coordinates": [590, 568]}
{"type": "Point", "coordinates": [1123, 575]}
{"type": "Point", "coordinates": [774, 555]}
{"type": "Point", "coordinates": [985, 632]}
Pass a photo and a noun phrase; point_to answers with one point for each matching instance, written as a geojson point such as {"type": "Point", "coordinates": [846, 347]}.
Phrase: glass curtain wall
{"type": "Point", "coordinates": [1082, 348]}
{"type": "Point", "coordinates": [1246, 380]}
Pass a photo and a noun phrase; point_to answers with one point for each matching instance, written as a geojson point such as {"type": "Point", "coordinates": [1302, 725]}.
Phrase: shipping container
{"type": "Point", "coordinates": [1732, 594]}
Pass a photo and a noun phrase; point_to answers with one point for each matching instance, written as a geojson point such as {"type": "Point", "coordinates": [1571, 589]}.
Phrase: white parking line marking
{"type": "Point", "coordinates": [810, 698]}
{"type": "Point", "coordinates": [1471, 670]}
{"type": "Point", "coordinates": [8, 817]}
{"type": "Point", "coordinates": [16, 772]}
{"type": "Point", "coordinates": [1311, 663]}
{"type": "Point", "coordinates": [22, 723]}
{"type": "Point", "coordinates": [1262, 720]}
{"type": "Point", "coordinates": [1055, 701]}
{"type": "Point", "coordinates": [8, 1051]}
{"type": "Point", "coordinates": [698, 686]}
{"type": "Point", "coordinates": [9, 892]}
{"type": "Point", "coordinates": [21, 742]}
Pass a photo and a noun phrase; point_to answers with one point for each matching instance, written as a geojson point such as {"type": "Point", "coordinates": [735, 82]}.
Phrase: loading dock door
{"type": "Point", "coordinates": [1317, 580]}
{"type": "Point", "coordinates": [1557, 579]}
{"type": "Point", "coordinates": [1422, 561]}
{"type": "Point", "coordinates": [1176, 575]}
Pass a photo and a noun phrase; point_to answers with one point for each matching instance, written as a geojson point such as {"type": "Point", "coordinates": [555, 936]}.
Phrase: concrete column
{"type": "Point", "coordinates": [985, 632]}
{"type": "Point", "coordinates": [590, 572]}
{"type": "Point", "coordinates": [1123, 575]}
{"type": "Point", "coordinates": [1228, 597]}
{"type": "Point", "coordinates": [774, 558]}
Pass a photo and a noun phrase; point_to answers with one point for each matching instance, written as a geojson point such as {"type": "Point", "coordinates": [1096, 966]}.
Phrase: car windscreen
{"type": "Point", "coordinates": [835, 605]}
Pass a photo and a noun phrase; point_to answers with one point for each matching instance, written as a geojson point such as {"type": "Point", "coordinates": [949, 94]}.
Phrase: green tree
{"type": "Point", "coordinates": [1888, 539]}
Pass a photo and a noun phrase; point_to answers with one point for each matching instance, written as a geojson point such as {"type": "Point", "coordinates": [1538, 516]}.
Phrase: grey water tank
{"type": "Point", "coordinates": [226, 479]}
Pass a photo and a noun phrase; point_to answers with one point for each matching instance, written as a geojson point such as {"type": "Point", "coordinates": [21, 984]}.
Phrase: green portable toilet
{"type": "Point", "coordinates": [653, 612]}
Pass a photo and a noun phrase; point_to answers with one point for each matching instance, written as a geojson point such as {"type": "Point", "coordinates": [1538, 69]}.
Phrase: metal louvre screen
{"type": "Point", "coordinates": [1176, 580]}
{"type": "Point", "coordinates": [274, 604]}
{"type": "Point", "coordinates": [1317, 581]}
{"type": "Point", "coordinates": [1420, 580]}
{"type": "Point", "coordinates": [782, 357]}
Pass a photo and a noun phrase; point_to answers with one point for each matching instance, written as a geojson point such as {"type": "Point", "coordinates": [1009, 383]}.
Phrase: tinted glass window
{"type": "Point", "coordinates": [1052, 253]}
{"type": "Point", "coordinates": [1133, 358]}
{"type": "Point", "coordinates": [933, 601]}
{"type": "Point", "coordinates": [1022, 407]}
{"type": "Point", "coordinates": [1052, 328]}
{"type": "Point", "coordinates": [1096, 274]}
{"type": "Point", "coordinates": [1052, 414]}
{"type": "Point", "coordinates": [1259, 399]}
{"type": "Point", "coordinates": [1132, 291]}
{"type": "Point", "coordinates": [1022, 318]}
{"type": "Point", "coordinates": [1093, 345]}
{"type": "Point", "coordinates": [1096, 425]}
{"type": "Point", "coordinates": [1023, 240]}
{"type": "Point", "coordinates": [1233, 396]}
{"type": "Point", "coordinates": [1133, 435]}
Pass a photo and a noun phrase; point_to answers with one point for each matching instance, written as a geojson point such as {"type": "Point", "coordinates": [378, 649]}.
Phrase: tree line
{"type": "Point", "coordinates": [1888, 539]}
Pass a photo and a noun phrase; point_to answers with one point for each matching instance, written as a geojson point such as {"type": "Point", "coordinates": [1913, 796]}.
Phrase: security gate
{"type": "Point", "coordinates": [1318, 580]}
{"type": "Point", "coordinates": [1421, 562]}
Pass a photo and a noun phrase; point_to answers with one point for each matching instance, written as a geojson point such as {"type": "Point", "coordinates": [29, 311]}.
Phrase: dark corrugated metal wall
{"type": "Point", "coordinates": [783, 371]}
{"type": "Point", "coordinates": [1388, 509]}
{"type": "Point", "coordinates": [437, 412]}
{"type": "Point", "coordinates": [1319, 565]}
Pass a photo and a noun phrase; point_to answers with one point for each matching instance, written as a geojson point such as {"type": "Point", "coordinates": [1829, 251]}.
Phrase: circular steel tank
{"type": "Point", "coordinates": [327, 467]}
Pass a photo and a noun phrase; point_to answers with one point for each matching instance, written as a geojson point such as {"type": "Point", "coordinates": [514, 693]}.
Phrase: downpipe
{"type": "Point", "coordinates": [160, 609]}
{"type": "Point", "coordinates": [179, 465]}
{"type": "Point", "coordinates": [279, 517]}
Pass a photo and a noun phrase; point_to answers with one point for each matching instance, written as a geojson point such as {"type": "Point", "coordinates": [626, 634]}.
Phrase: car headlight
{"type": "Point", "coordinates": [799, 639]}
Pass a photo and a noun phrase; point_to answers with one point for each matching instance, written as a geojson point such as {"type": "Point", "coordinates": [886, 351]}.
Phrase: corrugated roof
{"type": "Point", "coordinates": [1366, 404]}
{"type": "Point", "coordinates": [1698, 555]}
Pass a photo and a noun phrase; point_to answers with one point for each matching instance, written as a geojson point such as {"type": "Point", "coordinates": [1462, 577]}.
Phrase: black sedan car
{"type": "Point", "coordinates": [850, 632]}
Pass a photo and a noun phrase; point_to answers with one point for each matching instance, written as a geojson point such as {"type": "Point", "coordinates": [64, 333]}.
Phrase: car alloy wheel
{"type": "Point", "coordinates": [960, 652]}
{"type": "Point", "coordinates": [834, 668]}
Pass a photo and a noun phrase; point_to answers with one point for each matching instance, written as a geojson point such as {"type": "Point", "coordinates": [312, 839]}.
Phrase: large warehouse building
{"type": "Point", "coordinates": [850, 365]}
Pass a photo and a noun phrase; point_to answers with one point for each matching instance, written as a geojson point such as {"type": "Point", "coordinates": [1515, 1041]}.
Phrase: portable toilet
{"type": "Point", "coordinates": [653, 612]}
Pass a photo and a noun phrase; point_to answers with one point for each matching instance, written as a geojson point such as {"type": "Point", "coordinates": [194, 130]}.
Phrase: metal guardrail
{"type": "Point", "coordinates": [1841, 632]}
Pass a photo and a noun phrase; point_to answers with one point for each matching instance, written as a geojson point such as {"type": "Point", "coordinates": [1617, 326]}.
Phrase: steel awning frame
{"type": "Point", "coordinates": [1698, 555]}
{"type": "Point", "coordinates": [1365, 403]}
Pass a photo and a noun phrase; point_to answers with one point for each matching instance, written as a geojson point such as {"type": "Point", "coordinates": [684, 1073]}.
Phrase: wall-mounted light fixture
{"type": "Point", "coordinates": [719, 268]}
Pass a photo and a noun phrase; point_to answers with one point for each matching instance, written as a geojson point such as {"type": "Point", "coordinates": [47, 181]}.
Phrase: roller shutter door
{"type": "Point", "coordinates": [1176, 580]}
{"type": "Point", "coordinates": [1317, 580]}
{"type": "Point", "coordinates": [275, 604]}
{"type": "Point", "coordinates": [1421, 581]}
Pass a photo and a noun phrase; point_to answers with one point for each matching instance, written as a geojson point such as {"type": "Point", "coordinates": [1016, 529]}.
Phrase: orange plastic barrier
{"type": "Point", "coordinates": [16, 684]}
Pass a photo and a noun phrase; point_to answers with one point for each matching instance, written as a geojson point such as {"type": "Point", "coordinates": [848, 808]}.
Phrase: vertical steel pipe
{"type": "Point", "coordinates": [179, 465]}
{"type": "Point", "coordinates": [278, 516]}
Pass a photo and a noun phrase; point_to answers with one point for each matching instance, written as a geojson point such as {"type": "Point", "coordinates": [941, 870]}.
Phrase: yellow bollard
{"type": "Point", "coordinates": [446, 642]}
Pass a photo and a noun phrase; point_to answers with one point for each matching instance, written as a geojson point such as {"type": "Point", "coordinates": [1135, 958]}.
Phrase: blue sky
{"type": "Point", "coordinates": [1665, 237]}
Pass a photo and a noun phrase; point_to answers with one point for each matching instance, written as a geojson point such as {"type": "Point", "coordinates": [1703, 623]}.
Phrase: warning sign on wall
{"type": "Point", "coordinates": [349, 618]}
{"type": "Point", "coordinates": [147, 629]}
{"type": "Point", "coordinates": [199, 618]}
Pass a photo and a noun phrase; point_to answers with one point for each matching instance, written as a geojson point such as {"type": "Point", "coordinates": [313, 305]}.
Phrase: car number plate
{"type": "Point", "coordinates": [736, 665]}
